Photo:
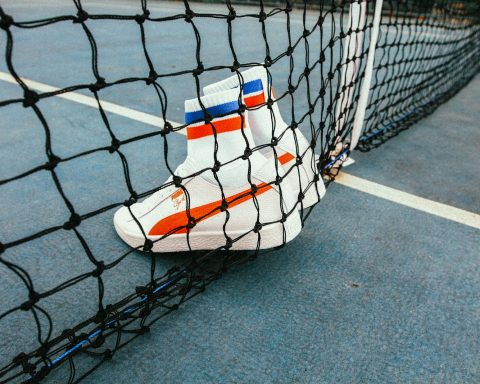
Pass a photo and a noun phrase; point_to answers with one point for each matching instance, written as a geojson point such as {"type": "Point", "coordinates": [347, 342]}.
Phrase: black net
{"type": "Point", "coordinates": [426, 52]}
{"type": "Point", "coordinates": [74, 292]}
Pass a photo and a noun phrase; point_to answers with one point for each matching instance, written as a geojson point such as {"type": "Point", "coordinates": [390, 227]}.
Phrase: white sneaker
{"type": "Point", "coordinates": [304, 176]}
{"type": "Point", "coordinates": [193, 214]}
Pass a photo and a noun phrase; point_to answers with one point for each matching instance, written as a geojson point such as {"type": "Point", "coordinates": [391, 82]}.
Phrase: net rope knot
{"type": "Point", "coordinates": [68, 333]}
{"type": "Point", "coordinates": [148, 245]}
{"type": "Point", "coordinates": [41, 374]}
{"type": "Point", "coordinates": [107, 355]}
{"type": "Point", "coordinates": [207, 118]}
{"type": "Point", "coordinates": [73, 222]}
{"type": "Point", "coordinates": [189, 15]}
{"type": "Point", "coordinates": [98, 342]}
{"type": "Point", "coordinates": [5, 21]}
{"type": "Point", "coordinates": [131, 200]}
{"type": "Point", "coordinates": [152, 77]}
{"type": "Point", "coordinates": [140, 19]}
{"type": "Point", "coordinates": [34, 297]}
{"type": "Point", "coordinates": [199, 70]}
{"type": "Point", "coordinates": [247, 153]}
{"type": "Point", "coordinates": [177, 181]}
{"type": "Point", "coordinates": [20, 358]}
{"type": "Point", "coordinates": [82, 16]}
{"type": "Point", "coordinates": [231, 15]}
{"type": "Point", "coordinates": [142, 290]}
{"type": "Point", "coordinates": [191, 223]}
{"type": "Point", "coordinates": [224, 206]}
{"type": "Point", "coordinates": [98, 85]}
{"type": "Point", "coordinates": [30, 98]}
{"type": "Point", "coordinates": [114, 145]}
{"type": "Point", "coordinates": [167, 128]}
{"type": "Point", "coordinates": [99, 270]}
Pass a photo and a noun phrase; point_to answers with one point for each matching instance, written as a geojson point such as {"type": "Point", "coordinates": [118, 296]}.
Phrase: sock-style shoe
{"type": "Point", "coordinates": [256, 90]}
{"type": "Point", "coordinates": [194, 213]}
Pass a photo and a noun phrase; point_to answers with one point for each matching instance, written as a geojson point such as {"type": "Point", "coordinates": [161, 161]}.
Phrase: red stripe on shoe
{"type": "Point", "coordinates": [221, 126]}
{"type": "Point", "coordinates": [285, 158]}
{"type": "Point", "coordinates": [254, 101]}
{"type": "Point", "coordinates": [177, 223]}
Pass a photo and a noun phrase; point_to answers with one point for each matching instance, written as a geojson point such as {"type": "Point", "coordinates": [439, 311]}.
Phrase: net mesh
{"type": "Point", "coordinates": [108, 293]}
{"type": "Point", "coordinates": [425, 54]}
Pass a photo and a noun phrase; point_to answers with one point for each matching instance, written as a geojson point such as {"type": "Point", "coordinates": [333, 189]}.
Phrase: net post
{"type": "Point", "coordinates": [365, 87]}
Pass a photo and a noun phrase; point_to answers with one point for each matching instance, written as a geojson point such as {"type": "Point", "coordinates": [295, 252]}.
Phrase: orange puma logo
{"type": "Point", "coordinates": [177, 223]}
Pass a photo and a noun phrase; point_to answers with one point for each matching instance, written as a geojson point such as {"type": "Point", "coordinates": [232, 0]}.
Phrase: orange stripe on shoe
{"type": "Point", "coordinates": [254, 101]}
{"type": "Point", "coordinates": [285, 158]}
{"type": "Point", "coordinates": [177, 223]}
{"type": "Point", "coordinates": [177, 193]}
{"type": "Point", "coordinates": [221, 126]}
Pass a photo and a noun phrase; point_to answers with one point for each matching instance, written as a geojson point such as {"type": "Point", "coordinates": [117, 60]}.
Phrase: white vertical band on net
{"type": "Point", "coordinates": [352, 51]}
{"type": "Point", "coordinates": [365, 87]}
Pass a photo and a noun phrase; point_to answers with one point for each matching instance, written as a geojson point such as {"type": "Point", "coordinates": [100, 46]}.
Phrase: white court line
{"type": "Point", "coordinates": [416, 202]}
{"type": "Point", "coordinates": [92, 102]}
{"type": "Point", "coordinates": [419, 203]}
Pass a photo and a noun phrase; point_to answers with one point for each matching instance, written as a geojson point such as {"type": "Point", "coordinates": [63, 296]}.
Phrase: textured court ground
{"type": "Point", "coordinates": [371, 291]}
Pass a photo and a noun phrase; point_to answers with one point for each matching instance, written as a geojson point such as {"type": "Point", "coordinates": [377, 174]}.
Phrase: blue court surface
{"type": "Point", "coordinates": [371, 291]}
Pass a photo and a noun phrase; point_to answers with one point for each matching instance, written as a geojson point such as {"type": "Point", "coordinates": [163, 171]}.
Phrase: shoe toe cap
{"type": "Point", "coordinates": [125, 223]}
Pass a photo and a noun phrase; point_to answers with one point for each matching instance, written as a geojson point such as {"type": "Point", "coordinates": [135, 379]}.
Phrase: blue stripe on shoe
{"type": "Point", "coordinates": [215, 111]}
{"type": "Point", "coordinates": [251, 86]}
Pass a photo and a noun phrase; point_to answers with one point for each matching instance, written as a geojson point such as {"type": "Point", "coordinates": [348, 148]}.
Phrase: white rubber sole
{"type": "Point", "coordinates": [271, 236]}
